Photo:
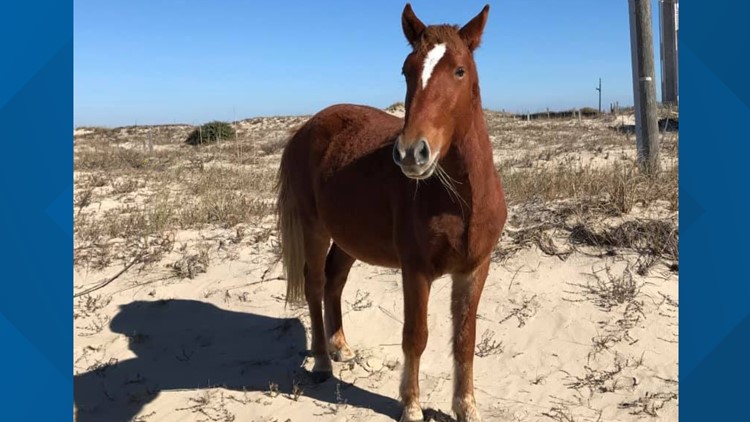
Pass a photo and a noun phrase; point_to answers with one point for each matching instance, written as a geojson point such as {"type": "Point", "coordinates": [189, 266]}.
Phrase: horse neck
{"type": "Point", "coordinates": [470, 160]}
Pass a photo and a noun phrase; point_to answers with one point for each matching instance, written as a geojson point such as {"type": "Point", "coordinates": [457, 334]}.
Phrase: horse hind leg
{"type": "Point", "coordinates": [338, 264]}
{"type": "Point", "coordinates": [316, 247]}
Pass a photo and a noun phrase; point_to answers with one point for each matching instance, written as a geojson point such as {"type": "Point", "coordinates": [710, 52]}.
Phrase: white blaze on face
{"type": "Point", "coordinates": [430, 61]}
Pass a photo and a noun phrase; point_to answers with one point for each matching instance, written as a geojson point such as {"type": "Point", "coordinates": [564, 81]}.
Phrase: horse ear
{"type": "Point", "coordinates": [413, 27]}
{"type": "Point", "coordinates": [471, 33]}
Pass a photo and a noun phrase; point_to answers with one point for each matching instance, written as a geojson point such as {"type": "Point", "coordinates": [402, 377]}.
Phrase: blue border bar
{"type": "Point", "coordinates": [714, 208]}
{"type": "Point", "coordinates": [36, 189]}
{"type": "Point", "coordinates": [36, 213]}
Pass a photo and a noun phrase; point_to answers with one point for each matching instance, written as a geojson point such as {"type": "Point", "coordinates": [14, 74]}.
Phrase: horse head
{"type": "Point", "coordinates": [442, 90]}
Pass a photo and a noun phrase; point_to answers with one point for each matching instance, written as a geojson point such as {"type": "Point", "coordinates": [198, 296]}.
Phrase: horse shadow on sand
{"type": "Point", "coordinates": [192, 345]}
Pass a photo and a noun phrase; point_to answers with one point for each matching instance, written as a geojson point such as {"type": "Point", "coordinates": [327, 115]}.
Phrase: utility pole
{"type": "Point", "coordinates": [644, 86]}
{"type": "Point", "coordinates": [668, 26]}
{"type": "Point", "coordinates": [599, 88]}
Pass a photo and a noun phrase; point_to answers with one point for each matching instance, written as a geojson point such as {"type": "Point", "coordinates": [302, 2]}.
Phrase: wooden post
{"type": "Point", "coordinates": [644, 86]}
{"type": "Point", "coordinates": [236, 137]}
{"type": "Point", "coordinates": [668, 25]}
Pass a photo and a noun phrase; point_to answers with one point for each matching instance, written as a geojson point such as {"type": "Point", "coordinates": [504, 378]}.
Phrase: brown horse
{"type": "Point", "coordinates": [439, 210]}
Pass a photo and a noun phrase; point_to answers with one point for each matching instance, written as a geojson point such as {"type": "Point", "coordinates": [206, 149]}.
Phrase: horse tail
{"type": "Point", "coordinates": [291, 232]}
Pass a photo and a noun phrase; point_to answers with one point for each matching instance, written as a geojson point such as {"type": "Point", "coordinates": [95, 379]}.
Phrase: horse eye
{"type": "Point", "coordinates": [460, 72]}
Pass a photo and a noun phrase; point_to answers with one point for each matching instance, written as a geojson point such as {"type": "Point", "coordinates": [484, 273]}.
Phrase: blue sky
{"type": "Point", "coordinates": [186, 61]}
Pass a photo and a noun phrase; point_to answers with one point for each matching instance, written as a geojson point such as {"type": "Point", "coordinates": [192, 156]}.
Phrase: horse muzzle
{"type": "Point", "coordinates": [416, 160]}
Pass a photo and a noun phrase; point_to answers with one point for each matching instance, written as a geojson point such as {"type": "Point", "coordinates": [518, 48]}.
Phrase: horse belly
{"type": "Point", "coordinates": [360, 224]}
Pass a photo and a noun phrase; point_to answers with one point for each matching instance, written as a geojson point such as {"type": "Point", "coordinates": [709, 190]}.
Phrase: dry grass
{"type": "Point", "coordinates": [126, 192]}
{"type": "Point", "coordinates": [570, 188]}
{"type": "Point", "coordinates": [559, 414]}
{"type": "Point", "coordinates": [190, 265]}
{"type": "Point", "coordinates": [210, 404]}
{"type": "Point", "coordinates": [114, 158]}
{"type": "Point", "coordinates": [617, 188]}
{"type": "Point", "coordinates": [649, 404]}
{"type": "Point", "coordinates": [487, 346]}
{"type": "Point", "coordinates": [361, 302]}
{"type": "Point", "coordinates": [606, 380]}
{"type": "Point", "coordinates": [522, 310]}
{"type": "Point", "coordinates": [583, 228]}
{"type": "Point", "coordinates": [274, 146]}
{"type": "Point", "coordinates": [648, 237]}
{"type": "Point", "coordinates": [609, 290]}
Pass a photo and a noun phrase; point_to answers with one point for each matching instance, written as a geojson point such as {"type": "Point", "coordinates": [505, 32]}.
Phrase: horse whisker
{"type": "Point", "coordinates": [445, 173]}
{"type": "Point", "coordinates": [448, 183]}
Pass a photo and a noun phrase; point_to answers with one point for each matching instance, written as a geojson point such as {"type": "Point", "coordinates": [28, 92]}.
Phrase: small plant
{"type": "Point", "coordinates": [89, 306]}
{"type": "Point", "coordinates": [274, 146]}
{"type": "Point", "coordinates": [395, 106]}
{"type": "Point", "coordinates": [488, 346]}
{"type": "Point", "coordinates": [190, 265]}
{"type": "Point", "coordinates": [362, 301]}
{"type": "Point", "coordinates": [649, 403]}
{"type": "Point", "coordinates": [273, 389]}
{"type": "Point", "coordinates": [611, 290]}
{"type": "Point", "coordinates": [297, 391]}
{"type": "Point", "coordinates": [205, 405]}
{"type": "Point", "coordinates": [83, 199]}
{"type": "Point", "coordinates": [589, 111]}
{"type": "Point", "coordinates": [210, 132]}
{"type": "Point", "coordinates": [560, 414]}
{"type": "Point", "coordinates": [523, 311]}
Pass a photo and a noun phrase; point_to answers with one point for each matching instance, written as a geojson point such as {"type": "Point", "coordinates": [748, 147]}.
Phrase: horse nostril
{"type": "Point", "coordinates": [396, 154]}
{"type": "Point", "coordinates": [422, 152]}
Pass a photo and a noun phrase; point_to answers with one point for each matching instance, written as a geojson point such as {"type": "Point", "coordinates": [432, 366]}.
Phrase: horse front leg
{"type": "Point", "coordinates": [416, 295]}
{"type": "Point", "coordinates": [466, 291]}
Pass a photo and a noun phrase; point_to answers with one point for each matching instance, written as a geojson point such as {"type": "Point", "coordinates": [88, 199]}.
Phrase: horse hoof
{"type": "Point", "coordinates": [412, 414]}
{"type": "Point", "coordinates": [345, 354]}
{"type": "Point", "coordinates": [321, 376]}
{"type": "Point", "coordinates": [466, 410]}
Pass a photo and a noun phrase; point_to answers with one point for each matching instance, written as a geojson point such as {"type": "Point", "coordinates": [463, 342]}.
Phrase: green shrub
{"type": "Point", "coordinates": [210, 132]}
{"type": "Point", "coordinates": [589, 111]}
{"type": "Point", "coordinates": [395, 106]}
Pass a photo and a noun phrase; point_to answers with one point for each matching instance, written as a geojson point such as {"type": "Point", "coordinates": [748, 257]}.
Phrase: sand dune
{"type": "Point", "coordinates": [578, 320]}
